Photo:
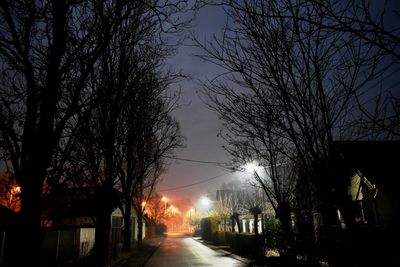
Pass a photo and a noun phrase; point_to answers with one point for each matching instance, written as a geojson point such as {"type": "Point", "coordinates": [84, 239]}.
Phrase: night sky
{"type": "Point", "coordinates": [199, 125]}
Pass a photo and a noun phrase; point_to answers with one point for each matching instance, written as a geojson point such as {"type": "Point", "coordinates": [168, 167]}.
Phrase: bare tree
{"type": "Point", "coordinates": [258, 144]}
{"type": "Point", "coordinates": [228, 198]}
{"type": "Point", "coordinates": [47, 49]}
{"type": "Point", "coordinates": [289, 85]}
{"type": "Point", "coordinates": [156, 209]}
{"type": "Point", "coordinates": [152, 136]}
{"type": "Point", "coordinates": [253, 200]}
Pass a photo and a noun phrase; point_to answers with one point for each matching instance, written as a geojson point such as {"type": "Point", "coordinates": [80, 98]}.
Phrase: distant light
{"type": "Point", "coordinates": [252, 167]}
{"type": "Point", "coordinates": [173, 209]}
{"type": "Point", "coordinates": [164, 199]}
{"type": "Point", "coordinates": [205, 201]}
{"type": "Point", "coordinates": [143, 204]}
{"type": "Point", "coordinates": [16, 190]}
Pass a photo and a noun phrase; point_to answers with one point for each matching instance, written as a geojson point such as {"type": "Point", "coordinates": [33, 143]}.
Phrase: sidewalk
{"type": "Point", "coordinates": [224, 250]}
{"type": "Point", "coordinates": [139, 256]}
{"type": "Point", "coordinates": [263, 261]}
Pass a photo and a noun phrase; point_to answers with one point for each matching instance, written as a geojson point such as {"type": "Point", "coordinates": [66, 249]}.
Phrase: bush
{"type": "Point", "coordinates": [245, 243]}
{"type": "Point", "coordinates": [161, 229]}
{"type": "Point", "coordinates": [219, 238]}
{"type": "Point", "coordinates": [209, 226]}
{"type": "Point", "coordinates": [274, 234]}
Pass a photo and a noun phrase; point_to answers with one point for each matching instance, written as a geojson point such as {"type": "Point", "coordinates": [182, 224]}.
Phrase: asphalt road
{"type": "Point", "coordinates": [179, 250]}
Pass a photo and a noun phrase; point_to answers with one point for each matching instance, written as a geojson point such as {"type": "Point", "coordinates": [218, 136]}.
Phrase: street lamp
{"type": "Point", "coordinates": [204, 204]}
{"type": "Point", "coordinates": [173, 209]}
{"type": "Point", "coordinates": [14, 191]}
{"type": "Point", "coordinates": [252, 167]}
{"type": "Point", "coordinates": [205, 201]}
{"type": "Point", "coordinates": [164, 199]}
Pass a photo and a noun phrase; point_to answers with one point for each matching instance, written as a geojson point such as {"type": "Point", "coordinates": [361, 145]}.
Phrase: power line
{"type": "Point", "coordinates": [199, 161]}
{"type": "Point", "coordinates": [196, 183]}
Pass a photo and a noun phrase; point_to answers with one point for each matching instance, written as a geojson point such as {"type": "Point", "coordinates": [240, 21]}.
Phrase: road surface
{"type": "Point", "coordinates": [179, 250]}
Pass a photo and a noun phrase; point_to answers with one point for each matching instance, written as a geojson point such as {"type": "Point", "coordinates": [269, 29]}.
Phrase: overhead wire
{"type": "Point", "coordinates": [199, 161]}
{"type": "Point", "coordinates": [196, 183]}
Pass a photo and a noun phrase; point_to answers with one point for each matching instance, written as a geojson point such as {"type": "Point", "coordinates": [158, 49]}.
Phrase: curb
{"type": "Point", "coordinates": [223, 251]}
{"type": "Point", "coordinates": [152, 253]}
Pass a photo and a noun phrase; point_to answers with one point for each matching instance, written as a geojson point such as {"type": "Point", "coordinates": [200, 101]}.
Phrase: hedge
{"type": "Point", "coordinates": [243, 243]}
{"type": "Point", "coordinates": [209, 226]}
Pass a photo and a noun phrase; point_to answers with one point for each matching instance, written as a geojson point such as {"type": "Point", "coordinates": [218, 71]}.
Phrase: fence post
{"type": "Point", "coordinates": [58, 244]}
{"type": "Point", "coordinates": [3, 242]}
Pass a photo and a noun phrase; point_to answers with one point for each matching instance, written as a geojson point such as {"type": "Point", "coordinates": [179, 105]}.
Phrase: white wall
{"type": "Point", "coordinates": [135, 228]}
{"type": "Point", "coordinates": [86, 241]}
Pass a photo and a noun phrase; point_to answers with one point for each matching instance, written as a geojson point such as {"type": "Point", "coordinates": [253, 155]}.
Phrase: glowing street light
{"type": "Point", "coordinates": [14, 191]}
{"type": "Point", "coordinates": [173, 210]}
{"type": "Point", "coordinates": [252, 167]}
{"type": "Point", "coordinates": [164, 199]}
{"type": "Point", "coordinates": [205, 202]}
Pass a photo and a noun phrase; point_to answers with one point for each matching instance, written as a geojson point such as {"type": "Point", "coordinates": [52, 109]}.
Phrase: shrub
{"type": "Point", "coordinates": [161, 229]}
{"type": "Point", "coordinates": [274, 234]}
{"type": "Point", "coordinates": [245, 243]}
{"type": "Point", "coordinates": [219, 238]}
{"type": "Point", "coordinates": [209, 226]}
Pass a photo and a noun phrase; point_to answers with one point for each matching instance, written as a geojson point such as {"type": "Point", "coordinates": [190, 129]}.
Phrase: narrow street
{"type": "Point", "coordinates": [180, 250]}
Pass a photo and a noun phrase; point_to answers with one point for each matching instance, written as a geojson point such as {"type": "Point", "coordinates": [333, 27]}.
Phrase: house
{"type": "Point", "coordinates": [374, 179]}
{"type": "Point", "coordinates": [117, 225]}
{"type": "Point", "coordinates": [70, 224]}
{"type": "Point", "coordinates": [373, 175]}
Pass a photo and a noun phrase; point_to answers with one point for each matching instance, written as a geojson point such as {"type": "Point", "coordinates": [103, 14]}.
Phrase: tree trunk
{"type": "Point", "coordinates": [102, 237]}
{"type": "Point", "coordinates": [283, 214]}
{"type": "Point", "coordinates": [236, 218]}
{"type": "Point", "coordinates": [103, 224]}
{"type": "Point", "coordinates": [233, 223]}
{"type": "Point", "coordinates": [29, 235]}
{"type": "Point", "coordinates": [224, 224]}
{"type": "Point", "coordinates": [140, 229]}
{"type": "Point", "coordinates": [255, 223]}
{"type": "Point", "coordinates": [126, 246]}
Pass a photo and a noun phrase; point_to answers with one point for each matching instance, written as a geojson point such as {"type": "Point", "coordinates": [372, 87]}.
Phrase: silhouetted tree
{"type": "Point", "coordinates": [290, 86]}
{"type": "Point", "coordinates": [152, 136]}
{"type": "Point", "coordinates": [47, 50]}
{"type": "Point", "coordinates": [228, 198]}
{"type": "Point", "coordinates": [253, 200]}
{"type": "Point", "coordinates": [156, 209]}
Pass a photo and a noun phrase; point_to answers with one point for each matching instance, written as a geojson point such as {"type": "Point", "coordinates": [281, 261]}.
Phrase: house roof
{"type": "Point", "coordinates": [75, 202]}
{"type": "Point", "coordinates": [377, 160]}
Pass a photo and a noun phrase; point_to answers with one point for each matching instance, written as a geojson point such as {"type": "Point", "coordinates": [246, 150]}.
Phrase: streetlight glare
{"type": "Point", "coordinates": [252, 167]}
{"type": "Point", "coordinates": [205, 201]}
